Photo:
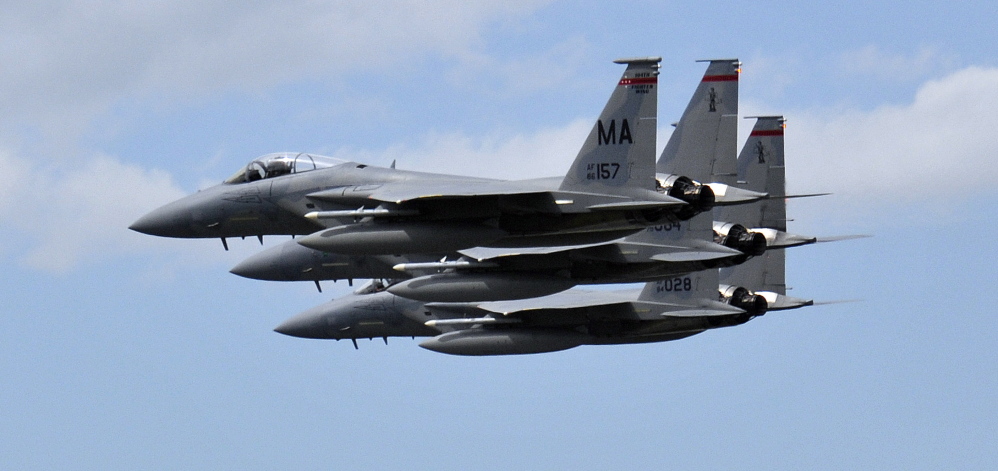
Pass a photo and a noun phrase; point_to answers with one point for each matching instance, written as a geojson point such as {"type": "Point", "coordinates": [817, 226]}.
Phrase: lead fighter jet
{"type": "Point", "coordinates": [610, 191]}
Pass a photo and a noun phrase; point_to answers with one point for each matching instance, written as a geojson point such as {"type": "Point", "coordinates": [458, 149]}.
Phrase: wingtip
{"type": "Point", "coordinates": [843, 237]}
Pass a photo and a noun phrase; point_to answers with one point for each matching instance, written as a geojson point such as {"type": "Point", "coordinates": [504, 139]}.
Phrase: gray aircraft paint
{"type": "Point", "coordinates": [662, 311]}
{"type": "Point", "coordinates": [762, 166]}
{"type": "Point", "coordinates": [274, 196]}
{"type": "Point", "coordinates": [662, 250]}
{"type": "Point", "coordinates": [699, 146]}
{"type": "Point", "coordinates": [620, 148]}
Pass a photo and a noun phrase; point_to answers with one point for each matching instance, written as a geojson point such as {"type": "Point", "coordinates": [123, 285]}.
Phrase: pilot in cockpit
{"type": "Point", "coordinates": [278, 167]}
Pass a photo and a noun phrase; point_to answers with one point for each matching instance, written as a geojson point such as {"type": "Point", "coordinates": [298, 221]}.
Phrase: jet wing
{"type": "Point", "coordinates": [689, 252]}
{"type": "Point", "coordinates": [537, 195]}
{"type": "Point", "coordinates": [621, 304]}
{"type": "Point", "coordinates": [530, 195]}
{"type": "Point", "coordinates": [408, 191]}
{"type": "Point", "coordinates": [487, 253]}
{"type": "Point", "coordinates": [573, 299]}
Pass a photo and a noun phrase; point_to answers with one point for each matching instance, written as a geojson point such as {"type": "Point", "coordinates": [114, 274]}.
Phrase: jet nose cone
{"type": "Point", "coordinates": [305, 325]}
{"type": "Point", "coordinates": [257, 267]}
{"type": "Point", "coordinates": [286, 262]}
{"type": "Point", "coordinates": [168, 221]}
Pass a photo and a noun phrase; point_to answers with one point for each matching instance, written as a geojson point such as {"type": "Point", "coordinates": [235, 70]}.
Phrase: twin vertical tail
{"type": "Point", "coordinates": [619, 153]}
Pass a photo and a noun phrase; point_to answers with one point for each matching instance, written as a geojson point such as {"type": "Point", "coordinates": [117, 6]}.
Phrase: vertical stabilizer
{"type": "Point", "coordinates": [762, 158]}
{"type": "Point", "coordinates": [619, 153]}
{"type": "Point", "coordinates": [705, 139]}
{"type": "Point", "coordinates": [761, 167]}
{"type": "Point", "coordinates": [766, 272]}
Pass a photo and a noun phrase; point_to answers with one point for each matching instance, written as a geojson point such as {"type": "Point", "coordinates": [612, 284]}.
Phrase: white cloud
{"type": "Point", "coordinates": [15, 172]}
{"type": "Point", "coordinates": [937, 147]}
{"type": "Point", "coordinates": [547, 153]}
{"type": "Point", "coordinates": [872, 61]}
{"type": "Point", "coordinates": [78, 212]}
{"type": "Point", "coordinates": [561, 64]}
{"type": "Point", "coordinates": [76, 59]}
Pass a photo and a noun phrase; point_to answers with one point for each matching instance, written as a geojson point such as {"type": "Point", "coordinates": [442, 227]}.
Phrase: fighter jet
{"type": "Point", "coordinates": [665, 310]}
{"type": "Point", "coordinates": [484, 274]}
{"type": "Point", "coordinates": [762, 166]}
{"type": "Point", "coordinates": [351, 208]}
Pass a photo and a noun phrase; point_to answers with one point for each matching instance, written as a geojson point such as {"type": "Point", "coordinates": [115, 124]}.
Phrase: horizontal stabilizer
{"type": "Point", "coordinates": [702, 313]}
{"type": "Point", "coordinates": [694, 256]}
{"type": "Point", "coordinates": [776, 239]}
{"type": "Point", "coordinates": [725, 195]}
{"type": "Point", "coordinates": [781, 302]}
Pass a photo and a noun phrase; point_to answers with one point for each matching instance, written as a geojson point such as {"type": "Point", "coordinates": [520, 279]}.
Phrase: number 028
{"type": "Point", "coordinates": [676, 284]}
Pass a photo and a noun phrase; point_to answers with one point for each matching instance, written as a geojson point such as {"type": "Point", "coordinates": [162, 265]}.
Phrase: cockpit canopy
{"type": "Point", "coordinates": [281, 163]}
{"type": "Point", "coordinates": [373, 286]}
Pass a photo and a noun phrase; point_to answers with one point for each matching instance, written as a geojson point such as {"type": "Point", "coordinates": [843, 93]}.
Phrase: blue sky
{"type": "Point", "coordinates": [124, 351]}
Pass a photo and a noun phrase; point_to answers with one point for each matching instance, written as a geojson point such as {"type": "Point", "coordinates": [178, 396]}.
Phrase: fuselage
{"type": "Point", "coordinates": [529, 214]}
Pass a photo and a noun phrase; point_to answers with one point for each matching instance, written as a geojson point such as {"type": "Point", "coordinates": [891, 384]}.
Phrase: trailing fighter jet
{"type": "Point", "coordinates": [762, 166]}
{"type": "Point", "coordinates": [350, 208]}
{"type": "Point", "coordinates": [483, 273]}
{"type": "Point", "coordinates": [669, 309]}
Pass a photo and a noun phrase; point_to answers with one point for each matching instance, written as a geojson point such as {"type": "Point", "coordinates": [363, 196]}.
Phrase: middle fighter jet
{"type": "Point", "coordinates": [704, 134]}
{"type": "Point", "coordinates": [610, 191]}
